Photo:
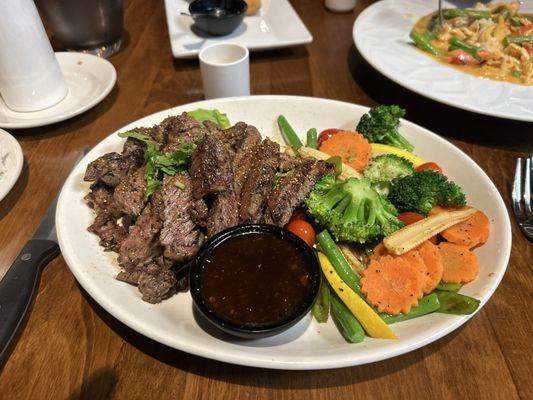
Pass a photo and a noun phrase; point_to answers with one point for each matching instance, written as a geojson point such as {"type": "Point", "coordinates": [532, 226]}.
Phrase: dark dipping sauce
{"type": "Point", "coordinates": [256, 279]}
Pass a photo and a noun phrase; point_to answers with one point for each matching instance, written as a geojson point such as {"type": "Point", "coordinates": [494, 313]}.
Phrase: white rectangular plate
{"type": "Point", "coordinates": [275, 25]}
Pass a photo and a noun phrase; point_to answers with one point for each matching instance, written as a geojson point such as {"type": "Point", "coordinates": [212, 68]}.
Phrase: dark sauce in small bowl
{"type": "Point", "coordinates": [255, 280]}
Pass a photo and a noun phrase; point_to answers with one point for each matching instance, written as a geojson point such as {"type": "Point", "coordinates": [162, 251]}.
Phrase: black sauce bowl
{"type": "Point", "coordinates": [254, 331]}
{"type": "Point", "coordinates": [218, 17]}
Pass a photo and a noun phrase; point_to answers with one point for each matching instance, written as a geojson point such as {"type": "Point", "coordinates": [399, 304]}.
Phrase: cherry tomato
{"type": "Point", "coordinates": [461, 57]}
{"type": "Point", "coordinates": [302, 229]}
{"type": "Point", "coordinates": [409, 218]}
{"type": "Point", "coordinates": [298, 214]}
{"type": "Point", "coordinates": [430, 165]}
{"type": "Point", "coordinates": [325, 135]}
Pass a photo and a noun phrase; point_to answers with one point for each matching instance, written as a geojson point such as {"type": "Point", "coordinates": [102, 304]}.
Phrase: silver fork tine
{"type": "Point", "coordinates": [517, 188]}
{"type": "Point", "coordinates": [527, 189]}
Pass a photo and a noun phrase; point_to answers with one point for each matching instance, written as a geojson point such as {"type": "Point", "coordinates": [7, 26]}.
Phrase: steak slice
{"type": "Point", "coordinates": [174, 131]}
{"type": "Point", "coordinates": [199, 212]}
{"type": "Point", "coordinates": [142, 243]}
{"type": "Point", "coordinates": [109, 169]}
{"type": "Point", "coordinates": [179, 236]}
{"type": "Point", "coordinates": [288, 162]}
{"type": "Point", "coordinates": [210, 169]}
{"type": "Point", "coordinates": [293, 189]}
{"type": "Point", "coordinates": [242, 162]}
{"type": "Point", "coordinates": [157, 281]}
{"type": "Point", "coordinates": [259, 182]}
{"type": "Point", "coordinates": [232, 136]}
{"type": "Point", "coordinates": [105, 225]}
{"type": "Point", "coordinates": [130, 194]}
{"type": "Point", "coordinates": [111, 234]}
{"type": "Point", "coordinates": [223, 213]}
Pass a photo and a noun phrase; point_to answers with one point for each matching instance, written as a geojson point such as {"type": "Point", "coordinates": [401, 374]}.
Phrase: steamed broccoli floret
{"type": "Point", "coordinates": [380, 126]}
{"type": "Point", "coordinates": [385, 168]}
{"type": "Point", "coordinates": [352, 210]}
{"type": "Point", "coordinates": [423, 190]}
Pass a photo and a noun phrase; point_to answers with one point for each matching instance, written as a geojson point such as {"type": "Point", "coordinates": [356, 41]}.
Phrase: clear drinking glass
{"type": "Point", "coordinates": [89, 26]}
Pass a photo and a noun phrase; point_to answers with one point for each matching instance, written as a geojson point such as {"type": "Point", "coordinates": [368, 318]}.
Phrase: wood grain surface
{"type": "Point", "coordinates": [71, 348]}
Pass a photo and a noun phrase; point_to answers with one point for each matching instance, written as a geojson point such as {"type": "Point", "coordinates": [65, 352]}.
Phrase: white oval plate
{"type": "Point", "coordinates": [381, 34]}
{"type": "Point", "coordinates": [308, 345]}
{"type": "Point", "coordinates": [11, 162]}
{"type": "Point", "coordinates": [89, 80]}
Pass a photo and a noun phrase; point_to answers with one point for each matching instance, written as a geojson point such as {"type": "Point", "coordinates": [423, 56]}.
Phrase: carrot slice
{"type": "Point", "coordinates": [459, 263]}
{"type": "Point", "coordinates": [433, 260]}
{"type": "Point", "coordinates": [471, 233]}
{"type": "Point", "coordinates": [352, 147]}
{"type": "Point", "coordinates": [392, 285]}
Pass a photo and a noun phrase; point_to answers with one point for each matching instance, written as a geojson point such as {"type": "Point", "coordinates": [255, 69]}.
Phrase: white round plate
{"type": "Point", "coordinates": [381, 34]}
{"type": "Point", "coordinates": [89, 80]}
{"type": "Point", "coordinates": [307, 345]}
{"type": "Point", "coordinates": [11, 162]}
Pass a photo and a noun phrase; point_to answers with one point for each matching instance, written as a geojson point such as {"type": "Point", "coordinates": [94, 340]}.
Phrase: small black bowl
{"type": "Point", "coordinates": [218, 17]}
{"type": "Point", "coordinates": [255, 330]}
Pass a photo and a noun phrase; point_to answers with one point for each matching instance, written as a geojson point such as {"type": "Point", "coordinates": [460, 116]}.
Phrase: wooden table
{"type": "Point", "coordinates": [71, 348]}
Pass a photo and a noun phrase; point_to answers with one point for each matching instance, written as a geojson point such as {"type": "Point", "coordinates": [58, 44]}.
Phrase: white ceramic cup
{"type": "Point", "coordinates": [30, 77]}
{"type": "Point", "coordinates": [225, 70]}
{"type": "Point", "coordinates": [340, 5]}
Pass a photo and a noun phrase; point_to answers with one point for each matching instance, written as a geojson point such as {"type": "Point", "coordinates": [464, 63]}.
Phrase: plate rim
{"type": "Point", "coordinates": [19, 164]}
{"type": "Point", "coordinates": [376, 65]}
{"type": "Point", "coordinates": [262, 360]}
{"type": "Point", "coordinates": [62, 56]}
{"type": "Point", "coordinates": [281, 43]}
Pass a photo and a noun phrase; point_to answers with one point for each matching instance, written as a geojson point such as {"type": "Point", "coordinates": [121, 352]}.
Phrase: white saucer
{"type": "Point", "coordinates": [11, 162]}
{"type": "Point", "coordinates": [89, 79]}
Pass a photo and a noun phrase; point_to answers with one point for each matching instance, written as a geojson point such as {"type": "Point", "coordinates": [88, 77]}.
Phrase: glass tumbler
{"type": "Point", "coordinates": [89, 26]}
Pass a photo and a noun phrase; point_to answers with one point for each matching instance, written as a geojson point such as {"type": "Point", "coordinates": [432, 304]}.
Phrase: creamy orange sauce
{"type": "Point", "coordinates": [481, 70]}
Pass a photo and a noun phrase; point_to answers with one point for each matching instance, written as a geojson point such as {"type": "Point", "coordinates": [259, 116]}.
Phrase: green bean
{"type": "Point", "coordinates": [515, 21]}
{"type": "Point", "coordinates": [449, 287]}
{"type": "Point", "coordinates": [426, 305]}
{"type": "Point", "coordinates": [455, 303]}
{"type": "Point", "coordinates": [423, 42]}
{"type": "Point", "coordinates": [336, 161]}
{"type": "Point", "coordinates": [449, 13]}
{"type": "Point", "coordinates": [320, 309]}
{"type": "Point", "coordinates": [517, 39]}
{"type": "Point", "coordinates": [312, 138]}
{"type": "Point", "coordinates": [288, 133]}
{"type": "Point", "coordinates": [459, 44]}
{"type": "Point", "coordinates": [516, 74]}
{"type": "Point", "coordinates": [335, 256]}
{"type": "Point", "coordinates": [350, 327]}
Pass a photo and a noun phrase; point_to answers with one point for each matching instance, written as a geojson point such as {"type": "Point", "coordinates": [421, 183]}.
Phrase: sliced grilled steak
{"type": "Point", "coordinates": [259, 182]}
{"type": "Point", "coordinates": [176, 130]}
{"type": "Point", "coordinates": [179, 235]}
{"type": "Point", "coordinates": [156, 283]}
{"type": "Point", "coordinates": [130, 194]}
{"type": "Point", "coordinates": [105, 224]}
{"type": "Point", "coordinates": [293, 189]}
{"type": "Point", "coordinates": [223, 213]}
{"type": "Point", "coordinates": [242, 162]}
{"type": "Point", "coordinates": [210, 168]}
{"type": "Point", "coordinates": [199, 212]}
{"type": "Point", "coordinates": [134, 148]}
{"type": "Point", "coordinates": [111, 234]}
{"type": "Point", "coordinates": [233, 136]}
{"type": "Point", "coordinates": [142, 243]}
{"type": "Point", "coordinates": [100, 198]}
{"type": "Point", "coordinates": [212, 128]}
{"type": "Point", "coordinates": [288, 162]}
{"type": "Point", "coordinates": [109, 169]}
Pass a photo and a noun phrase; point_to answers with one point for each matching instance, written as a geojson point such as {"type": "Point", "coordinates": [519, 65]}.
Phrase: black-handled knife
{"type": "Point", "coordinates": [20, 283]}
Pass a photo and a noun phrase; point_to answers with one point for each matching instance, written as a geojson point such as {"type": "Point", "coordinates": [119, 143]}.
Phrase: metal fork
{"type": "Point", "coordinates": [521, 196]}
